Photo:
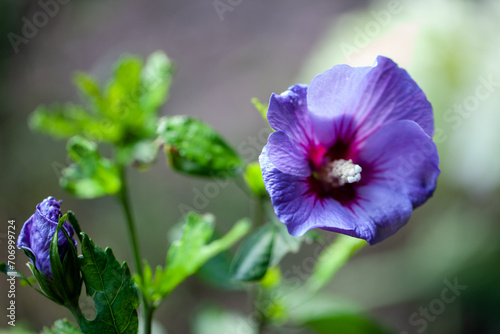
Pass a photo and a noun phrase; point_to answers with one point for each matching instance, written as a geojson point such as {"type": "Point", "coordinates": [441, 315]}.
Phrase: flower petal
{"type": "Point", "coordinates": [285, 156]}
{"type": "Point", "coordinates": [296, 207]}
{"type": "Point", "coordinates": [288, 112]}
{"type": "Point", "coordinates": [379, 213]}
{"type": "Point", "coordinates": [373, 95]}
{"type": "Point", "coordinates": [24, 238]}
{"type": "Point", "coordinates": [286, 191]}
{"type": "Point", "coordinates": [401, 157]}
{"type": "Point", "coordinates": [327, 214]}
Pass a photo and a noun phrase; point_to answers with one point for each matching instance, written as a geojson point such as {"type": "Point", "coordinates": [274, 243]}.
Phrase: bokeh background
{"type": "Point", "coordinates": [451, 48]}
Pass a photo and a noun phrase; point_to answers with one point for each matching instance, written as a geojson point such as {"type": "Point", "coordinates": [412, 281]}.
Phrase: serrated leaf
{"type": "Point", "coordinates": [62, 326]}
{"type": "Point", "coordinates": [195, 148]}
{"type": "Point", "coordinates": [156, 78]}
{"type": "Point", "coordinates": [254, 255]}
{"type": "Point", "coordinates": [190, 252]}
{"type": "Point", "coordinates": [112, 288]}
{"type": "Point", "coordinates": [63, 121]}
{"type": "Point", "coordinates": [91, 175]}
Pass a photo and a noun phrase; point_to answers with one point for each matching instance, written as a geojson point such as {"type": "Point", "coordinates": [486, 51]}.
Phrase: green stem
{"type": "Point", "coordinates": [255, 296]}
{"type": "Point", "coordinates": [147, 309]}
{"type": "Point", "coordinates": [75, 310]}
{"type": "Point", "coordinates": [259, 212]}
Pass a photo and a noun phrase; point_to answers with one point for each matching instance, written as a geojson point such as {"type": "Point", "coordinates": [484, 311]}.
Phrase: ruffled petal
{"type": "Point", "coordinates": [329, 97]}
{"type": "Point", "coordinates": [286, 157]}
{"type": "Point", "coordinates": [24, 238]}
{"type": "Point", "coordinates": [401, 157]}
{"type": "Point", "coordinates": [373, 95]}
{"type": "Point", "coordinates": [288, 113]}
{"type": "Point", "coordinates": [287, 192]}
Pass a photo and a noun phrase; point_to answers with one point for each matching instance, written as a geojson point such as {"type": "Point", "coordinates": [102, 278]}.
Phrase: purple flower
{"type": "Point", "coordinates": [352, 152]}
{"type": "Point", "coordinates": [37, 233]}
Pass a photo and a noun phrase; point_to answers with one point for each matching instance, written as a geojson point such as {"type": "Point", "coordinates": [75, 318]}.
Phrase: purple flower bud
{"type": "Point", "coordinates": [36, 234]}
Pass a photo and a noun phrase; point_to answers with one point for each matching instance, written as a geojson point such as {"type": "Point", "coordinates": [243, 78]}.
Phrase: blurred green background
{"type": "Point", "coordinates": [451, 48]}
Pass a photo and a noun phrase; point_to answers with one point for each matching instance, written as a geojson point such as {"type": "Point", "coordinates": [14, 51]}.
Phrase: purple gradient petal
{"type": "Point", "coordinates": [288, 113]}
{"type": "Point", "coordinates": [383, 210]}
{"type": "Point", "coordinates": [286, 191]}
{"type": "Point", "coordinates": [285, 156]}
{"type": "Point", "coordinates": [401, 157]}
{"type": "Point", "coordinates": [373, 95]}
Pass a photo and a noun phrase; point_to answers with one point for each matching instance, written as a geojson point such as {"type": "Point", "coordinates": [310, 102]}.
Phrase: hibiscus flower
{"type": "Point", "coordinates": [352, 152]}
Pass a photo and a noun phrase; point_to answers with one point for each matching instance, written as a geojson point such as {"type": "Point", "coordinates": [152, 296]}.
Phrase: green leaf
{"type": "Point", "coordinates": [141, 154]}
{"type": "Point", "coordinates": [124, 88]}
{"type": "Point", "coordinates": [254, 255]}
{"type": "Point", "coordinates": [346, 323]}
{"type": "Point", "coordinates": [64, 121]}
{"type": "Point", "coordinates": [262, 109]}
{"type": "Point", "coordinates": [156, 78]}
{"type": "Point", "coordinates": [284, 243]}
{"type": "Point", "coordinates": [91, 175]}
{"type": "Point", "coordinates": [112, 288]}
{"type": "Point", "coordinates": [212, 320]}
{"type": "Point", "coordinates": [88, 86]}
{"type": "Point", "coordinates": [253, 178]}
{"type": "Point", "coordinates": [327, 314]}
{"type": "Point", "coordinates": [187, 254]}
{"type": "Point", "coordinates": [195, 148]}
{"type": "Point", "coordinates": [62, 326]}
{"type": "Point", "coordinates": [215, 272]}
{"type": "Point", "coordinates": [332, 259]}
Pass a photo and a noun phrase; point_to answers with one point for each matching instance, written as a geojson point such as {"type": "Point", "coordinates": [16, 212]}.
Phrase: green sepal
{"type": "Point", "coordinates": [46, 285]}
{"type": "Point", "coordinates": [9, 271]}
{"type": "Point", "coordinates": [193, 147]}
{"type": "Point", "coordinates": [254, 255]}
{"type": "Point", "coordinates": [74, 223]}
{"type": "Point", "coordinates": [91, 175]}
{"type": "Point", "coordinates": [112, 288]}
{"type": "Point", "coordinates": [65, 273]}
